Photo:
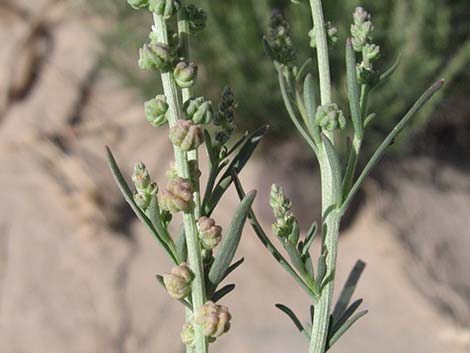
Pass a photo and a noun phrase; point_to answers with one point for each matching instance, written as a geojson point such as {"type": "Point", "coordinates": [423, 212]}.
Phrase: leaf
{"type": "Point", "coordinates": [307, 260]}
{"type": "Point", "coordinates": [391, 136]}
{"type": "Point", "coordinates": [237, 164]}
{"type": "Point", "coordinates": [312, 232]}
{"type": "Point", "coordinates": [368, 120]}
{"type": "Point", "coordinates": [181, 246]}
{"type": "Point", "coordinates": [233, 267]}
{"type": "Point", "coordinates": [335, 167]}
{"type": "Point", "coordinates": [295, 258]}
{"type": "Point", "coordinates": [321, 268]}
{"type": "Point", "coordinates": [182, 301]}
{"type": "Point", "coordinates": [294, 319]}
{"type": "Point", "coordinates": [312, 313]}
{"type": "Point", "coordinates": [336, 324]}
{"type": "Point", "coordinates": [153, 214]}
{"type": "Point", "coordinates": [310, 104]}
{"type": "Point", "coordinates": [126, 192]}
{"type": "Point", "coordinates": [353, 88]}
{"type": "Point", "coordinates": [344, 328]}
{"type": "Point", "coordinates": [222, 292]}
{"type": "Point", "coordinates": [268, 49]}
{"type": "Point", "coordinates": [348, 289]}
{"type": "Point", "coordinates": [230, 242]}
{"type": "Point", "coordinates": [389, 72]}
{"type": "Point", "coordinates": [304, 69]}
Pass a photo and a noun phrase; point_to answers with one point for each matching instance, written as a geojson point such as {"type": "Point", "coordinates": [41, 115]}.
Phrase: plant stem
{"type": "Point", "coordinates": [189, 219]}
{"type": "Point", "coordinates": [330, 197]}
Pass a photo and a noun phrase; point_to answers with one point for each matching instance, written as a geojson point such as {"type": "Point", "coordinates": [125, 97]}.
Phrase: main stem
{"type": "Point", "coordinates": [198, 291]}
{"type": "Point", "coordinates": [331, 219]}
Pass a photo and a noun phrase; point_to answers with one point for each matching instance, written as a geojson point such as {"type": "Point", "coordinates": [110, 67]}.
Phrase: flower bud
{"type": "Point", "coordinates": [210, 234]}
{"type": "Point", "coordinates": [361, 33]}
{"type": "Point", "coordinates": [331, 32]}
{"type": "Point", "coordinates": [177, 196]}
{"type": "Point", "coordinates": [329, 117]}
{"type": "Point", "coordinates": [198, 110]}
{"type": "Point", "coordinates": [185, 74]}
{"type": "Point", "coordinates": [155, 56]}
{"type": "Point", "coordinates": [141, 177]}
{"type": "Point", "coordinates": [360, 15]}
{"type": "Point", "coordinates": [196, 17]}
{"type": "Point", "coordinates": [186, 135]}
{"type": "Point", "coordinates": [165, 8]}
{"type": "Point", "coordinates": [214, 319]}
{"type": "Point", "coordinates": [187, 334]}
{"type": "Point", "coordinates": [371, 51]}
{"type": "Point", "coordinates": [278, 201]}
{"type": "Point", "coordinates": [155, 110]}
{"type": "Point", "coordinates": [366, 74]}
{"type": "Point", "coordinates": [138, 4]}
{"type": "Point", "coordinates": [142, 200]}
{"type": "Point", "coordinates": [178, 281]}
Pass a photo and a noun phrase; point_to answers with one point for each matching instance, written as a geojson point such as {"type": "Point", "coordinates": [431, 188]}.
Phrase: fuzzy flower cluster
{"type": "Point", "coordinates": [361, 39]}
{"type": "Point", "coordinates": [280, 41]}
{"type": "Point", "coordinates": [145, 187]}
{"type": "Point", "coordinates": [285, 221]}
{"type": "Point", "coordinates": [214, 319]}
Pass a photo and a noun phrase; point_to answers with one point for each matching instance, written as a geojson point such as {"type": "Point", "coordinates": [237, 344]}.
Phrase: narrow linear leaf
{"type": "Point", "coordinates": [261, 234]}
{"type": "Point", "coordinates": [353, 88]}
{"type": "Point", "coordinates": [154, 216]}
{"type": "Point", "coordinates": [391, 136]}
{"type": "Point", "coordinates": [222, 292]}
{"type": "Point", "coordinates": [336, 324]}
{"type": "Point", "coordinates": [126, 192]}
{"type": "Point", "coordinates": [344, 328]}
{"type": "Point", "coordinates": [321, 268]}
{"type": "Point", "coordinates": [237, 164]}
{"type": "Point", "coordinates": [182, 301]}
{"type": "Point", "coordinates": [233, 267]}
{"type": "Point", "coordinates": [304, 69]}
{"type": "Point", "coordinates": [237, 144]}
{"type": "Point", "coordinates": [312, 313]}
{"type": "Point", "coordinates": [348, 289]}
{"type": "Point", "coordinates": [181, 246]}
{"type": "Point", "coordinates": [294, 319]}
{"type": "Point", "coordinates": [369, 119]}
{"type": "Point", "coordinates": [295, 258]}
{"type": "Point", "coordinates": [230, 241]}
{"type": "Point", "coordinates": [335, 166]}
{"type": "Point", "coordinates": [389, 72]}
{"type": "Point", "coordinates": [307, 260]}
{"type": "Point", "coordinates": [310, 237]}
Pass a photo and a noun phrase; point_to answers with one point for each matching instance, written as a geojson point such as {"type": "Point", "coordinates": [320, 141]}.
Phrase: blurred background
{"type": "Point", "coordinates": [76, 268]}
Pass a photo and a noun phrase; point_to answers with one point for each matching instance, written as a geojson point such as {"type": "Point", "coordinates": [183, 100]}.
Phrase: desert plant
{"type": "Point", "coordinates": [202, 253]}
{"type": "Point", "coordinates": [323, 127]}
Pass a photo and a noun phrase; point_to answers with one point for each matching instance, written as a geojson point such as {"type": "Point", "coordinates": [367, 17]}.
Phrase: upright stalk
{"type": "Point", "coordinates": [198, 292]}
{"type": "Point", "coordinates": [330, 197]}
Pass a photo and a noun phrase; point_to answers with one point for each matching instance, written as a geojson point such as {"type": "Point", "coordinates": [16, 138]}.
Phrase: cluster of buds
{"type": "Point", "coordinates": [199, 110]}
{"type": "Point", "coordinates": [331, 32]}
{"type": "Point", "coordinates": [185, 74]}
{"type": "Point", "coordinates": [177, 196]}
{"type": "Point", "coordinates": [225, 115]}
{"type": "Point", "coordinates": [145, 187]}
{"type": "Point", "coordinates": [280, 41]}
{"type": "Point", "coordinates": [156, 109]}
{"type": "Point", "coordinates": [165, 8]}
{"type": "Point", "coordinates": [210, 234]}
{"type": "Point", "coordinates": [361, 39]}
{"type": "Point", "coordinates": [196, 17]}
{"type": "Point", "coordinates": [214, 319]}
{"type": "Point", "coordinates": [186, 135]}
{"type": "Point", "coordinates": [178, 281]}
{"type": "Point", "coordinates": [330, 117]}
{"type": "Point", "coordinates": [285, 226]}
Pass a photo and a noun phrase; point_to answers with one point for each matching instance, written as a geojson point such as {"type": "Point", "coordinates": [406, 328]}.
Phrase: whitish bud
{"type": "Point", "coordinates": [186, 135]}
{"type": "Point", "coordinates": [331, 32]}
{"type": "Point", "coordinates": [185, 74]}
{"type": "Point", "coordinates": [371, 51]}
{"type": "Point", "coordinates": [178, 281]}
{"type": "Point", "coordinates": [138, 4]}
{"type": "Point", "coordinates": [361, 33]}
{"type": "Point", "coordinates": [155, 110]}
{"type": "Point", "coordinates": [187, 334]}
{"type": "Point", "coordinates": [165, 8]}
{"type": "Point", "coordinates": [199, 110]}
{"type": "Point", "coordinates": [214, 319]}
{"type": "Point", "coordinates": [141, 177]}
{"type": "Point", "coordinates": [155, 56]}
{"type": "Point", "coordinates": [278, 201]}
{"type": "Point", "coordinates": [360, 15]}
{"type": "Point", "coordinates": [329, 117]}
{"type": "Point", "coordinates": [177, 196]}
{"type": "Point", "coordinates": [210, 234]}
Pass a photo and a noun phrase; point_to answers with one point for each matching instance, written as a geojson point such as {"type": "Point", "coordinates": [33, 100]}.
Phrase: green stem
{"type": "Point", "coordinates": [330, 195]}
{"type": "Point", "coordinates": [189, 219]}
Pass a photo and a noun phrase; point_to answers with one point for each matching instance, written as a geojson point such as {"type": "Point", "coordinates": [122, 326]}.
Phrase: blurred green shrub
{"type": "Point", "coordinates": [431, 36]}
